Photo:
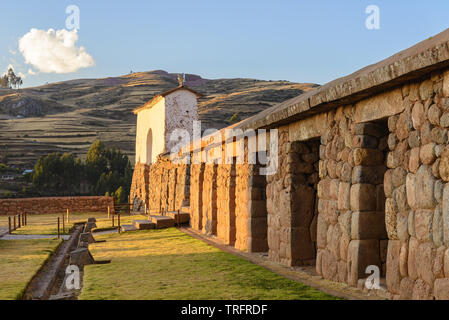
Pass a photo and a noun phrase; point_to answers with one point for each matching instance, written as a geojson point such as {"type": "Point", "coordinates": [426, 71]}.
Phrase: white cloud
{"type": "Point", "coordinates": [13, 52]}
{"type": "Point", "coordinates": [54, 51]}
{"type": "Point", "coordinates": [31, 72]}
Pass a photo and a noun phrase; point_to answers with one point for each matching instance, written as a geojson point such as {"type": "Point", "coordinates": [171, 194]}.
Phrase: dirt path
{"type": "Point", "coordinates": [30, 237]}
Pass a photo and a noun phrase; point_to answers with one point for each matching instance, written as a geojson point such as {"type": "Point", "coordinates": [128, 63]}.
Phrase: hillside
{"type": "Point", "coordinates": [68, 116]}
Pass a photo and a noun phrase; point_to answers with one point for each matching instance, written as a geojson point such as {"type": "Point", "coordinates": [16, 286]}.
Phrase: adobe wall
{"type": "Point", "coordinates": [55, 205]}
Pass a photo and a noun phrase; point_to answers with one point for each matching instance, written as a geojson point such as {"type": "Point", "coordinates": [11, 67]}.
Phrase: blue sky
{"type": "Point", "coordinates": [301, 41]}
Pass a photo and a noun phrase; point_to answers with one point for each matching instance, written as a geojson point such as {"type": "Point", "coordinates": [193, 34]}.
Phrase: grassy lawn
{"type": "Point", "coordinates": [48, 224]}
{"type": "Point", "coordinates": [168, 264]}
{"type": "Point", "coordinates": [19, 261]}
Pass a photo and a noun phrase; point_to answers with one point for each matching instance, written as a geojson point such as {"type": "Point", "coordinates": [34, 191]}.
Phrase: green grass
{"type": "Point", "coordinates": [47, 224]}
{"type": "Point", "coordinates": [19, 261]}
{"type": "Point", "coordinates": [168, 264]}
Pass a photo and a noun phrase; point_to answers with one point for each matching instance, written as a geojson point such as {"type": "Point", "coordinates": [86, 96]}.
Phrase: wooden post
{"type": "Point", "coordinates": [63, 225]}
{"type": "Point", "coordinates": [14, 228]}
{"type": "Point", "coordinates": [109, 212]}
{"type": "Point", "coordinates": [118, 222]}
{"type": "Point", "coordinates": [113, 221]}
{"type": "Point", "coordinates": [68, 216]}
{"type": "Point", "coordinates": [59, 232]}
{"type": "Point", "coordinates": [19, 217]}
{"type": "Point", "coordinates": [23, 219]}
{"type": "Point", "coordinates": [9, 225]}
{"type": "Point", "coordinates": [26, 218]}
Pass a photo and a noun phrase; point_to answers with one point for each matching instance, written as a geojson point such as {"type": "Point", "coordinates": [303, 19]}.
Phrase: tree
{"type": "Point", "coordinates": [4, 82]}
{"type": "Point", "coordinates": [120, 195]}
{"type": "Point", "coordinates": [12, 78]}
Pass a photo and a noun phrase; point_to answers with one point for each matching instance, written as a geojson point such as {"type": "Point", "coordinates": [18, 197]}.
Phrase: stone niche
{"type": "Point", "coordinates": [292, 202]}
{"type": "Point", "coordinates": [351, 223]}
{"type": "Point", "coordinates": [303, 162]}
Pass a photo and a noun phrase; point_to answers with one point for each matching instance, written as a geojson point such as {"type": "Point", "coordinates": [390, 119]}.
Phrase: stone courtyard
{"type": "Point", "coordinates": [361, 179]}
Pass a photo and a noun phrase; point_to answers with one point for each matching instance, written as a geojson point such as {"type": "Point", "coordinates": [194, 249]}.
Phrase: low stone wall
{"type": "Point", "coordinates": [55, 205]}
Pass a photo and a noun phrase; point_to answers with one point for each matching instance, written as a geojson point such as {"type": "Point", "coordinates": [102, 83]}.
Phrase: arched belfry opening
{"type": "Point", "coordinates": [149, 147]}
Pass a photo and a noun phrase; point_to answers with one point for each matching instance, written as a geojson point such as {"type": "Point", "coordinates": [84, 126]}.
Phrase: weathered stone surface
{"type": "Point", "coordinates": [444, 164]}
{"type": "Point", "coordinates": [423, 225]}
{"type": "Point", "coordinates": [414, 160]}
{"type": "Point", "coordinates": [414, 139]}
{"type": "Point", "coordinates": [363, 197]}
{"type": "Point", "coordinates": [399, 177]}
{"type": "Point", "coordinates": [388, 183]}
{"type": "Point", "coordinates": [361, 254]}
{"type": "Point", "coordinates": [417, 115]}
{"type": "Point", "coordinates": [368, 157]}
{"type": "Point", "coordinates": [445, 214]}
{"type": "Point", "coordinates": [369, 175]}
{"type": "Point", "coordinates": [344, 196]}
{"type": "Point", "coordinates": [321, 232]}
{"type": "Point", "coordinates": [391, 219]}
{"type": "Point", "coordinates": [402, 227]}
{"type": "Point", "coordinates": [403, 260]}
{"type": "Point", "coordinates": [412, 256]}
{"type": "Point", "coordinates": [438, 266]}
{"type": "Point", "coordinates": [427, 154]}
{"type": "Point", "coordinates": [426, 89]}
{"type": "Point", "coordinates": [434, 115]}
{"type": "Point", "coordinates": [442, 289]}
{"type": "Point", "coordinates": [425, 261]}
{"type": "Point", "coordinates": [439, 135]}
{"type": "Point", "coordinates": [393, 272]}
{"type": "Point", "coordinates": [55, 205]}
{"type": "Point", "coordinates": [402, 127]}
{"type": "Point", "coordinates": [437, 227]}
{"type": "Point", "coordinates": [444, 120]}
{"type": "Point", "coordinates": [422, 189]}
{"type": "Point", "coordinates": [392, 141]}
{"type": "Point", "coordinates": [400, 199]}
{"type": "Point", "coordinates": [446, 84]}
{"type": "Point", "coordinates": [363, 141]}
{"type": "Point", "coordinates": [368, 225]}
{"type": "Point", "coordinates": [422, 291]}
{"type": "Point", "coordinates": [406, 290]}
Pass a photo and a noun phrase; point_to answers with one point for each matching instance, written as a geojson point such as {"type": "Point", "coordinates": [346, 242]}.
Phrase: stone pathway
{"type": "Point", "coordinates": [30, 237]}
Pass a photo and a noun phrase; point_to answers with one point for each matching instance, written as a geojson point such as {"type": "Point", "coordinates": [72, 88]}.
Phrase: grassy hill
{"type": "Point", "coordinates": [68, 116]}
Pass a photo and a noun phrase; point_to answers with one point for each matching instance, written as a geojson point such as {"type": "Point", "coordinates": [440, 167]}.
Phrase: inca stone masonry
{"type": "Point", "coordinates": [362, 179]}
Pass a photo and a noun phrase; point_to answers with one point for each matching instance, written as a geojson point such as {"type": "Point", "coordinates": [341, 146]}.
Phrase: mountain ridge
{"type": "Point", "coordinates": [68, 116]}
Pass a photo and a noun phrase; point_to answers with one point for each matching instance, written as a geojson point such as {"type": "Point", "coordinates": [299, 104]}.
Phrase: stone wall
{"type": "Point", "coordinates": [55, 205]}
{"type": "Point", "coordinates": [417, 206]}
{"type": "Point", "coordinates": [209, 215]}
{"type": "Point", "coordinates": [196, 196]}
{"type": "Point", "coordinates": [362, 179]}
{"type": "Point", "coordinates": [226, 230]}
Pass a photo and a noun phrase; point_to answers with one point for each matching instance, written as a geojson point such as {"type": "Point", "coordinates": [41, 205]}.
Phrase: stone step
{"type": "Point", "coordinates": [163, 221]}
{"type": "Point", "coordinates": [144, 224]}
{"type": "Point", "coordinates": [185, 209]}
{"type": "Point", "coordinates": [183, 217]}
{"type": "Point", "coordinates": [127, 227]}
